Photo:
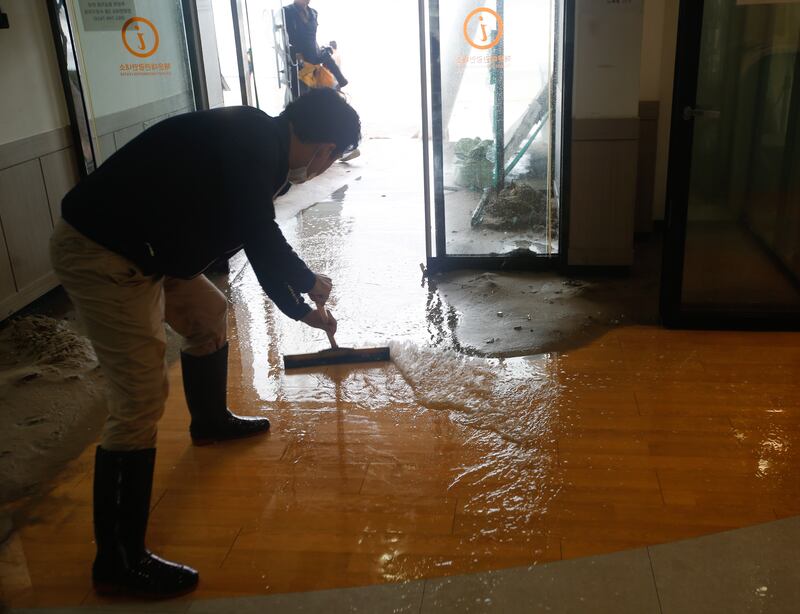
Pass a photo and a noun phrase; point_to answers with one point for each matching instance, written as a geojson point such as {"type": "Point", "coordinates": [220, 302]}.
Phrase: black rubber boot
{"type": "Point", "coordinates": [123, 482]}
{"type": "Point", "coordinates": [205, 383]}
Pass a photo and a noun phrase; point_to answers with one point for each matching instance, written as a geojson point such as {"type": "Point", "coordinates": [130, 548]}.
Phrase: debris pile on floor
{"type": "Point", "coordinates": [530, 313]}
{"type": "Point", "coordinates": [518, 206]}
{"type": "Point", "coordinates": [51, 392]}
{"type": "Point", "coordinates": [34, 346]}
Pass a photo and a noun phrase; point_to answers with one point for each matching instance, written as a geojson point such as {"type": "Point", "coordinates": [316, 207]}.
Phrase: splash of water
{"type": "Point", "coordinates": [509, 408]}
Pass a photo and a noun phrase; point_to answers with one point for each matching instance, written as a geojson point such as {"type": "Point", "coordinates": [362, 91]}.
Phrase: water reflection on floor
{"type": "Point", "coordinates": [369, 239]}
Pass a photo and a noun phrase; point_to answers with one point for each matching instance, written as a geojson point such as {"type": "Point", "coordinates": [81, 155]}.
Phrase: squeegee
{"type": "Point", "coordinates": [335, 355]}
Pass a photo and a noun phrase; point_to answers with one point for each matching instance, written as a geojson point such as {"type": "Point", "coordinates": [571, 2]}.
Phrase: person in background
{"type": "Point", "coordinates": [301, 28]}
{"type": "Point", "coordinates": [131, 250]}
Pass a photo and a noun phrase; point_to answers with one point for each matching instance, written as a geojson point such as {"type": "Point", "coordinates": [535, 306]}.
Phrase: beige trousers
{"type": "Point", "coordinates": [124, 313]}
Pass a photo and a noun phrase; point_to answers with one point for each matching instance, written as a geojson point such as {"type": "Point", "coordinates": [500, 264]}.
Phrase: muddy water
{"type": "Point", "coordinates": [550, 447]}
{"type": "Point", "coordinates": [511, 410]}
{"type": "Point", "coordinates": [370, 241]}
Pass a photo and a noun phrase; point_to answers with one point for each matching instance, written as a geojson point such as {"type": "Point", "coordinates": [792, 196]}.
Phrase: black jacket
{"type": "Point", "coordinates": [192, 189]}
{"type": "Point", "coordinates": [302, 34]}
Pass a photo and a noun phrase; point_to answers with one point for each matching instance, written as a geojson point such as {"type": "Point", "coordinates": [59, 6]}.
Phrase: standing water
{"type": "Point", "coordinates": [370, 242]}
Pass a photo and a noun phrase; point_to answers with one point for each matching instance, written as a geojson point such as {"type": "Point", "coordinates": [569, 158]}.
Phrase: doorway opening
{"type": "Point", "coordinates": [380, 63]}
{"type": "Point", "coordinates": [491, 83]}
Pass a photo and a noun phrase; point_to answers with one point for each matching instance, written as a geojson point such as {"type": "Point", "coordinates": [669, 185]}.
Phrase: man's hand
{"type": "Point", "coordinates": [321, 290]}
{"type": "Point", "coordinates": [315, 319]}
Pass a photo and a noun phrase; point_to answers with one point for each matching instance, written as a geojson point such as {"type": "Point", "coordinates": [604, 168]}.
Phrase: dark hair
{"type": "Point", "coordinates": [323, 116]}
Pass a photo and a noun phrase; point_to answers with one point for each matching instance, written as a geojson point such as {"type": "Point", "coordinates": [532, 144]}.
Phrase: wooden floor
{"type": "Point", "coordinates": [644, 436]}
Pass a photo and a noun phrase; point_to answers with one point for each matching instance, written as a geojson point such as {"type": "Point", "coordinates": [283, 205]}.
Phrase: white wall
{"type": "Point", "coordinates": [659, 40]}
{"type": "Point", "coordinates": [667, 76]}
{"type": "Point", "coordinates": [32, 98]}
{"type": "Point", "coordinates": [608, 39]}
{"type": "Point", "coordinates": [652, 44]}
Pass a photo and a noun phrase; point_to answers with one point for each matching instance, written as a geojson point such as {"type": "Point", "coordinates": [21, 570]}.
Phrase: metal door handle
{"type": "Point", "coordinates": [690, 113]}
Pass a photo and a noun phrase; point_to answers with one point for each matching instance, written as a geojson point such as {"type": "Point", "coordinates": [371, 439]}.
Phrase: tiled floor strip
{"type": "Point", "coordinates": [756, 569]}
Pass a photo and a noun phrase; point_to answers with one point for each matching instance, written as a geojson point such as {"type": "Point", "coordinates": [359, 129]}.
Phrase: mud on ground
{"type": "Point", "coordinates": [508, 314]}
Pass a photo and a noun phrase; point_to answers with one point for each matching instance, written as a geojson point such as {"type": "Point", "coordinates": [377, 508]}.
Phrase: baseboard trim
{"type": "Point", "coordinates": [36, 146]}
{"type": "Point", "coordinates": [12, 304]}
{"type": "Point", "coordinates": [585, 270]}
{"type": "Point", "coordinates": [605, 129]}
{"type": "Point", "coordinates": [109, 124]}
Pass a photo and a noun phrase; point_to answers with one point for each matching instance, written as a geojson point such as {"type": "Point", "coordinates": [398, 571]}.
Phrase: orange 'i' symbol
{"type": "Point", "coordinates": [147, 39]}
{"type": "Point", "coordinates": [140, 36]}
{"type": "Point", "coordinates": [485, 38]}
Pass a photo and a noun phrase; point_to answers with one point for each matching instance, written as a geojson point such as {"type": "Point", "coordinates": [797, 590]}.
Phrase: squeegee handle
{"type": "Point", "coordinates": [324, 313]}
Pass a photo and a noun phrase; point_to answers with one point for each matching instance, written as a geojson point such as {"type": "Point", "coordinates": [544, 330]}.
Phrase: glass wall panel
{"type": "Point", "coordinates": [743, 229]}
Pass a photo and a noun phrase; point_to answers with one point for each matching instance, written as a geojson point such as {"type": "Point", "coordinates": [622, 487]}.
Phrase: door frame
{"type": "Point", "coordinates": [194, 48]}
{"type": "Point", "coordinates": [673, 313]}
{"type": "Point", "coordinates": [80, 126]}
{"type": "Point", "coordinates": [241, 27]}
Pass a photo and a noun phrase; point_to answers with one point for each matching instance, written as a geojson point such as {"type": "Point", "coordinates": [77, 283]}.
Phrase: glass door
{"type": "Point", "coordinates": [125, 66]}
{"type": "Point", "coordinates": [732, 252]}
{"type": "Point", "coordinates": [496, 106]}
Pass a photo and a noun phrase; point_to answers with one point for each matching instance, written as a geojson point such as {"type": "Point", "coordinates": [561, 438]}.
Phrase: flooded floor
{"type": "Point", "coordinates": [437, 463]}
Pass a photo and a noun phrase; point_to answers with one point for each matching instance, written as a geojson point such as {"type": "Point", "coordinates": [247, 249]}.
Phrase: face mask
{"type": "Point", "coordinates": [300, 174]}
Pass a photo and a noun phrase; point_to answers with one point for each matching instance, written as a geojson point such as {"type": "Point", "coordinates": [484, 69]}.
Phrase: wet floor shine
{"type": "Point", "coordinates": [437, 463]}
